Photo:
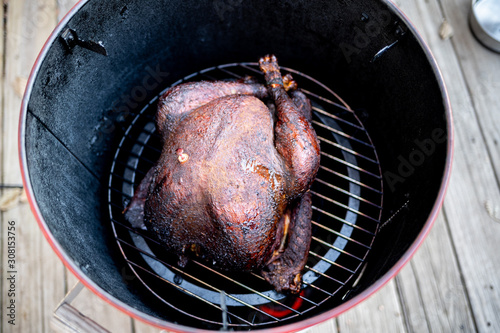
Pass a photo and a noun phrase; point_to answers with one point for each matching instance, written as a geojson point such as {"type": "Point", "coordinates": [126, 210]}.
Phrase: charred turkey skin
{"type": "Point", "coordinates": [231, 184]}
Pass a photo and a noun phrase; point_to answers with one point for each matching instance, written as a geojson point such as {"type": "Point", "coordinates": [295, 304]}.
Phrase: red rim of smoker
{"type": "Point", "coordinates": [103, 294]}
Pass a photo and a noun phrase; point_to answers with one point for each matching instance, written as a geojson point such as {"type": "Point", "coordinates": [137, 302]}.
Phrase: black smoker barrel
{"type": "Point", "coordinates": [87, 137]}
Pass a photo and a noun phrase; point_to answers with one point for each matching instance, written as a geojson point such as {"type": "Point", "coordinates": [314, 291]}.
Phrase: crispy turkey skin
{"type": "Point", "coordinates": [231, 184]}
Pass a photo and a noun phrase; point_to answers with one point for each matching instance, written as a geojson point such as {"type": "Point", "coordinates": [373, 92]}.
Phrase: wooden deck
{"type": "Point", "coordinates": [451, 285]}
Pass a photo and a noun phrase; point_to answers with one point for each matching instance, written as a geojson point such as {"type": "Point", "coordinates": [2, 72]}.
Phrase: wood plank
{"type": "Point", "coordinates": [68, 319]}
{"type": "Point", "coordinates": [329, 326]}
{"type": "Point", "coordinates": [381, 312]}
{"type": "Point", "coordinates": [414, 308]}
{"type": "Point", "coordinates": [99, 311]}
{"type": "Point", "coordinates": [3, 223]}
{"type": "Point", "coordinates": [63, 7]}
{"type": "Point", "coordinates": [431, 288]}
{"type": "Point", "coordinates": [474, 232]}
{"type": "Point", "coordinates": [38, 272]}
{"type": "Point", "coordinates": [481, 68]}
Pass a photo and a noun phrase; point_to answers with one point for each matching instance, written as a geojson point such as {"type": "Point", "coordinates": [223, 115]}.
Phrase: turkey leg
{"type": "Point", "coordinates": [295, 139]}
{"type": "Point", "coordinates": [285, 271]}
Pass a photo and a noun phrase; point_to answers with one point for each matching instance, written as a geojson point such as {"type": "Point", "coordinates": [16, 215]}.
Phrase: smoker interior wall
{"type": "Point", "coordinates": [81, 99]}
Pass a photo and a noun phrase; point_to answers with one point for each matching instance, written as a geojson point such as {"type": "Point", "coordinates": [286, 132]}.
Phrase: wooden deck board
{"type": "Point", "coordinates": [451, 284]}
{"type": "Point", "coordinates": [37, 270]}
{"type": "Point", "coordinates": [101, 312]}
{"type": "Point", "coordinates": [380, 313]}
{"type": "Point", "coordinates": [432, 290]}
{"type": "Point", "coordinates": [63, 7]}
{"type": "Point", "coordinates": [481, 69]}
{"type": "Point", "coordinates": [475, 234]}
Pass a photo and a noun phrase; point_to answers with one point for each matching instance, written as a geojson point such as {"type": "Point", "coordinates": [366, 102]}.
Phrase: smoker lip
{"type": "Point", "coordinates": [103, 294]}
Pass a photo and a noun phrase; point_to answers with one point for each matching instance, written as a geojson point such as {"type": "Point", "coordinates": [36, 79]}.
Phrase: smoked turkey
{"type": "Point", "coordinates": [231, 184]}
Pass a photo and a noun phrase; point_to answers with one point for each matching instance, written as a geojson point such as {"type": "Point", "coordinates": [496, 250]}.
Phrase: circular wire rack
{"type": "Point", "coordinates": [347, 205]}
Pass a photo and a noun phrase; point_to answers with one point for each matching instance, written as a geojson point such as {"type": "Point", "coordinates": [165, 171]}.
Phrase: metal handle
{"type": "Point", "coordinates": [68, 319]}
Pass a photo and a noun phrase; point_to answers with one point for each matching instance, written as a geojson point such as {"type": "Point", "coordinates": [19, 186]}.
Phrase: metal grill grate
{"type": "Point", "coordinates": [347, 200]}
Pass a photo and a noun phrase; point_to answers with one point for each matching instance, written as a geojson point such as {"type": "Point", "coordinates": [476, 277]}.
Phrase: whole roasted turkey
{"type": "Point", "coordinates": [231, 184]}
